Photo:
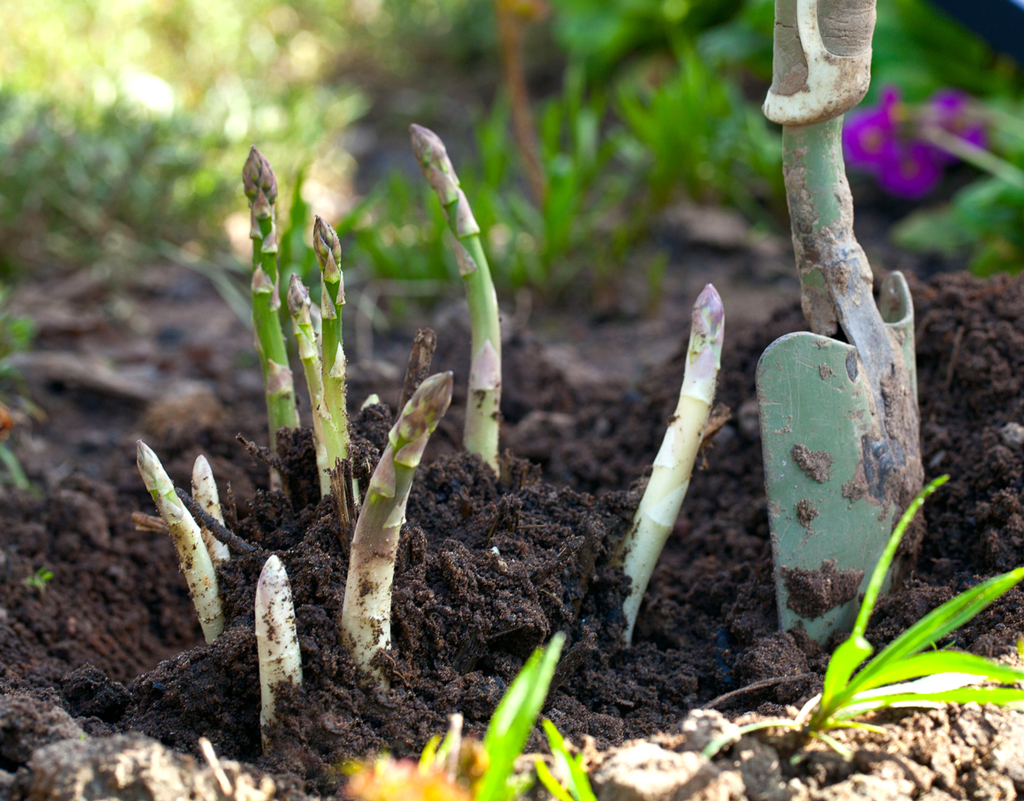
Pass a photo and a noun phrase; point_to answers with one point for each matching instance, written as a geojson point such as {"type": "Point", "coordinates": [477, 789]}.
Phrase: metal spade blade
{"type": "Point", "coordinates": [828, 464]}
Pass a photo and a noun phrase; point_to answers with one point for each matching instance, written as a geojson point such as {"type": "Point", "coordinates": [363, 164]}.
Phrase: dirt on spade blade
{"type": "Point", "coordinates": [490, 567]}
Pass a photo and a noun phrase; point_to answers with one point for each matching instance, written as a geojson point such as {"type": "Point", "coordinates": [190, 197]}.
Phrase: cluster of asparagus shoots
{"type": "Point", "coordinates": [366, 612]}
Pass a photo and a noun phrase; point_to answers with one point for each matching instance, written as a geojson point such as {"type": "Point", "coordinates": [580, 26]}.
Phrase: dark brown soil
{"type": "Point", "coordinates": [489, 569]}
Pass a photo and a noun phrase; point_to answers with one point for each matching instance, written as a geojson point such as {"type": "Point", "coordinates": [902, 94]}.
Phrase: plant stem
{"type": "Point", "coordinates": [334, 416]}
{"type": "Point", "coordinates": [670, 477]}
{"type": "Point", "coordinates": [366, 613]}
{"type": "Point", "coordinates": [309, 354]}
{"type": "Point", "coordinates": [261, 190]}
{"type": "Point", "coordinates": [483, 402]}
{"type": "Point", "coordinates": [204, 492]}
{"type": "Point", "coordinates": [277, 640]}
{"type": "Point", "coordinates": [511, 17]}
{"type": "Point", "coordinates": [188, 541]}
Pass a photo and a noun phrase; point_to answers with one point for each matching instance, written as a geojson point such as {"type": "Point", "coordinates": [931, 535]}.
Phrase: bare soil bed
{"type": "Point", "coordinates": [489, 567]}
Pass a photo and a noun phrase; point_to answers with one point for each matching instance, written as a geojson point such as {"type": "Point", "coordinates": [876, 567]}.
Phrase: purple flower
{"type": "Point", "coordinates": [950, 110]}
{"type": "Point", "coordinates": [868, 133]}
{"type": "Point", "coordinates": [889, 140]}
{"type": "Point", "coordinates": [909, 169]}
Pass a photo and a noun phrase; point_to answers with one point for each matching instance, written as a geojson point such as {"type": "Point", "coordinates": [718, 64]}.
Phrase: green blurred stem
{"type": "Point", "coordinates": [484, 401]}
{"type": "Point", "coordinates": [277, 377]}
{"type": "Point", "coordinates": [333, 369]}
{"type": "Point", "coordinates": [979, 157]}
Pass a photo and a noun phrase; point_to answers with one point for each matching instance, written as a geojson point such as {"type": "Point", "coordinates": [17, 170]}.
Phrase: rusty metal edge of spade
{"type": "Point", "coordinates": [839, 420]}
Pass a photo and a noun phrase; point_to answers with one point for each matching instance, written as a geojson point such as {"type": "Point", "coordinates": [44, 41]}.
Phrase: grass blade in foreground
{"type": "Point", "coordinates": [483, 401]}
{"type": "Point", "coordinates": [939, 677]}
{"type": "Point", "coordinates": [261, 190]}
{"type": "Point", "coordinates": [670, 478]}
{"type": "Point", "coordinates": [188, 542]}
{"type": "Point", "coordinates": [366, 613]}
{"type": "Point", "coordinates": [513, 721]}
{"type": "Point", "coordinates": [460, 769]}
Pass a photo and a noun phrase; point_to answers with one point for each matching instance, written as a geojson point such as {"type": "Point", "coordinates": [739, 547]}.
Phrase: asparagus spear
{"type": "Point", "coordinates": [277, 641]}
{"type": "Point", "coordinates": [309, 354]}
{"type": "Point", "coordinates": [204, 492]}
{"type": "Point", "coordinates": [188, 541]}
{"type": "Point", "coordinates": [261, 190]}
{"type": "Point", "coordinates": [366, 613]}
{"type": "Point", "coordinates": [484, 399]}
{"type": "Point", "coordinates": [332, 298]}
{"type": "Point", "coordinates": [670, 478]}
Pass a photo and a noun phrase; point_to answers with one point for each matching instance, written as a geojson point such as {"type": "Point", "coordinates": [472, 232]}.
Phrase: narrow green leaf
{"type": "Point", "coordinates": [965, 695]}
{"type": "Point", "coordinates": [937, 624]}
{"type": "Point", "coordinates": [550, 782]}
{"type": "Point", "coordinates": [933, 662]}
{"type": "Point", "coordinates": [845, 659]}
{"type": "Point", "coordinates": [580, 788]}
{"type": "Point", "coordinates": [885, 560]}
{"type": "Point", "coordinates": [513, 720]}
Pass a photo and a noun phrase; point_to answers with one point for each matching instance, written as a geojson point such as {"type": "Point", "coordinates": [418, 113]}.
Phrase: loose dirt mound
{"type": "Point", "coordinates": [488, 569]}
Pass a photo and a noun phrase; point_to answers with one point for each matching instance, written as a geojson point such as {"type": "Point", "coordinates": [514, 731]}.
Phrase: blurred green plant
{"type": "Point", "coordinates": [397, 232]}
{"type": "Point", "coordinates": [700, 136]}
{"type": "Point", "coordinates": [39, 580]}
{"type": "Point", "coordinates": [604, 33]}
{"type": "Point", "coordinates": [984, 220]}
{"type": "Point", "coordinates": [121, 139]}
{"type": "Point", "coordinates": [16, 335]}
{"type": "Point", "coordinates": [85, 189]}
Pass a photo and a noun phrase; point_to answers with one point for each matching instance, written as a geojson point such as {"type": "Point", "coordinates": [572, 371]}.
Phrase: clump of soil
{"type": "Point", "coordinates": [489, 568]}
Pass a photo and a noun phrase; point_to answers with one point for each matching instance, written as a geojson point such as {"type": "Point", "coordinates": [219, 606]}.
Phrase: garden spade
{"type": "Point", "coordinates": [839, 419]}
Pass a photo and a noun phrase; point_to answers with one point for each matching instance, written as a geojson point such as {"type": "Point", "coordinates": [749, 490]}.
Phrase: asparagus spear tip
{"type": "Point", "coordinates": [188, 541]}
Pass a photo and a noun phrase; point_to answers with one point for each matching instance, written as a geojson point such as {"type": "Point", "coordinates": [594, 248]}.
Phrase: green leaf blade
{"type": "Point", "coordinates": [514, 718]}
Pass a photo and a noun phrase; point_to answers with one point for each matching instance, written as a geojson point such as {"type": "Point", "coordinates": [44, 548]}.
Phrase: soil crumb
{"type": "Point", "coordinates": [815, 464]}
{"type": "Point", "coordinates": [813, 592]}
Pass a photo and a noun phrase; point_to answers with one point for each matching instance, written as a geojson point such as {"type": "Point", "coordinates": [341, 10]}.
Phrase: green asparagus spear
{"type": "Point", "coordinates": [309, 354]}
{"type": "Point", "coordinates": [261, 190]}
{"type": "Point", "coordinates": [484, 400]}
{"type": "Point", "coordinates": [332, 298]}
{"type": "Point", "coordinates": [366, 613]}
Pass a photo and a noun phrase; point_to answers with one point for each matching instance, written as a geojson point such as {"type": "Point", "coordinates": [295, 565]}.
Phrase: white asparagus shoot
{"type": "Point", "coordinates": [277, 640]}
{"type": "Point", "coordinates": [188, 541]}
{"type": "Point", "coordinates": [670, 477]}
{"type": "Point", "coordinates": [366, 613]}
{"type": "Point", "coordinates": [204, 492]}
